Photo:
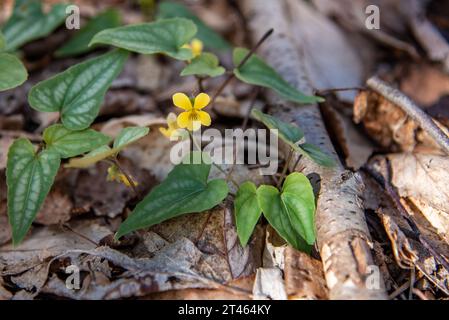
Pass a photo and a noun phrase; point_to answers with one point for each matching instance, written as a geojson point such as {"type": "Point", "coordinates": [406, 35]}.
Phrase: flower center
{"type": "Point", "coordinates": [193, 116]}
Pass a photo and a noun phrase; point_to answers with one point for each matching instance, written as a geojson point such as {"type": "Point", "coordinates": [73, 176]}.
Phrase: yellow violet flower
{"type": "Point", "coordinates": [196, 46]}
{"type": "Point", "coordinates": [193, 117]}
{"type": "Point", "coordinates": [172, 126]}
{"type": "Point", "coordinates": [114, 174]}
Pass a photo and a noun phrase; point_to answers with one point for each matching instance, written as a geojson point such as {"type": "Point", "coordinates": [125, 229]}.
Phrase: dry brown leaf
{"type": "Point", "coordinates": [304, 276]}
{"type": "Point", "coordinates": [389, 126]}
{"type": "Point", "coordinates": [422, 176]}
{"type": "Point", "coordinates": [425, 84]}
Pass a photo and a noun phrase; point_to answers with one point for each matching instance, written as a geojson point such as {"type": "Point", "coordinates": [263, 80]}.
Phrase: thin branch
{"type": "Point", "coordinates": [411, 109]}
{"type": "Point", "coordinates": [130, 180]}
{"type": "Point", "coordinates": [241, 64]}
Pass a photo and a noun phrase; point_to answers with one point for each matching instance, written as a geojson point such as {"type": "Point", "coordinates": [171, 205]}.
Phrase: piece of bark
{"type": "Point", "coordinates": [341, 226]}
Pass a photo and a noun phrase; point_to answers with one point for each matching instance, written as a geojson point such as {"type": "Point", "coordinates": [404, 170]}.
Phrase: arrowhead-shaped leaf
{"type": "Point", "coordinates": [125, 137]}
{"type": "Point", "coordinates": [79, 91]}
{"type": "Point", "coordinates": [28, 22]}
{"type": "Point", "coordinates": [204, 65]}
{"type": "Point", "coordinates": [210, 38]}
{"type": "Point", "coordinates": [288, 132]}
{"type": "Point", "coordinates": [29, 177]}
{"type": "Point", "coordinates": [257, 72]}
{"type": "Point", "coordinates": [79, 44]}
{"type": "Point", "coordinates": [291, 212]}
{"type": "Point", "coordinates": [247, 211]}
{"type": "Point", "coordinates": [73, 143]}
{"type": "Point", "coordinates": [186, 190]}
{"type": "Point", "coordinates": [315, 153]}
{"type": "Point", "coordinates": [12, 72]}
{"type": "Point", "coordinates": [164, 36]}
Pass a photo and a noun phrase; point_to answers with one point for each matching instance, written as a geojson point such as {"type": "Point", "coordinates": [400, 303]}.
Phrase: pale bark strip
{"type": "Point", "coordinates": [343, 236]}
{"type": "Point", "coordinates": [411, 109]}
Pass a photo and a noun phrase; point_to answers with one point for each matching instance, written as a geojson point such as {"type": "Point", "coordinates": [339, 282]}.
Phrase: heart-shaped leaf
{"type": "Point", "coordinates": [73, 143]}
{"type": "Point", "coordinates": [12, 72]}
{"type": "Point", "coordinates": [186, 190]}
{"type": "Point", "coordinates": [79, 44]}
{"type": "Point", "coordinates": [205, 65]}
{"type": "Point", "coordinates": [79, 91]}
{"type": "Point", "coordinates": [257, 72]}
{"type": "Point", "coordinates": [291, 212]}
{"type": "Point", "coordinates": [247, 211]}
{"type": "Point", "coordinates": [289, 133]}
{"type": "Point", "coordinates": [29, 177]}
{"type": "Point", "coordinates": [28, 22]}
{"type": "Point", "coordinates": [315, 153]}
{"type": "Point", "coordinates": [164, 36]}
{"type": "Point", "coordinates": [125, 137]}
{"type": "Point", "coordinates": [210, 38]}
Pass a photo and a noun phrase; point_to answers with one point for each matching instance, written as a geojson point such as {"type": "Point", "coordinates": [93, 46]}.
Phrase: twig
{"type": "Point", "coordinates": [241, 64]}
{"type": "Point", "coordinates": [411, 109]}
{"type": "Point", "coordinates": [322, 92]}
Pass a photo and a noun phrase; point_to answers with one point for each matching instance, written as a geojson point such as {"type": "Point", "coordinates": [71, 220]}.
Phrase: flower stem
{"type": "Point", "coordinates": [284, 171]}
{"type": "Point", "coordinates": [241, 64]}
{"type": "Point", "coordinates": [197, 145]}
{"type": "Point", "coordinates": [127, 176]}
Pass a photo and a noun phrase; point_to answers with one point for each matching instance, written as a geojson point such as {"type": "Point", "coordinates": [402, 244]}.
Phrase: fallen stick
{"type": "Point", "coordinates": [411, 109]}
{"type": "Point", "coordinates": [342, 233]}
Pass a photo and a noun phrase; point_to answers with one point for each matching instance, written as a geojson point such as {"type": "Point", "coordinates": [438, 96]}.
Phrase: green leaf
{"type": "Point", "coordinates": [125, 137]}
{"type": "Point", "coordinates": [291, 212]}
{"type": "Point", "coordinates": [12, 72]}
{"type": "Point", "coordinates": [186, 190]}
{"type": "Point", "coordinates": [91, 158]}
{"type": "Point", "coordinates": [2, 41]}
{"type": "Point", "coordinates": [288, 132]}
{"type": "Point", "coordinates": [79, 44]}
{"type": "Point", "coordinates": [79, 91]}
{"type": "Point", "coordinates": [210, 38]}
{"type": "Point", "coordinates": [315, 153]}
{"type": "Point", "coordinates": [247, 211]}
{"type": "Point", "coordinates": [29, 177]}
{"type": "Point", "coordinates": [257, 72]}
{"type": "Point", "coordinates": [129, 135]}
{"type": "Point", "coordinates": [164, 36]}
{"type": "Point", "coordinates": [291, 134]}
{"type": "Point", "coordinates": [28, 22]}
{"type": "Point", "coordinates": [204, 65]}
{"type": "Point", "coordinates": [73, 143]}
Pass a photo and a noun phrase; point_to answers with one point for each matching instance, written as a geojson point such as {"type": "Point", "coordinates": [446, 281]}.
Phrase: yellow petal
{"type": "Point", "coordinates": [197, 47]}
{"type": "Point", "coordinates": [184, 120]}
{"type": "Point", "coordinates": [171, 119]}
{"type": "Point", "coordinates": [201, 101]}
{"type": "Point", "coordinates": [204, 118]}
{"type": "Point", "coordinates": [182, 101]}
{"type": "Point", "coordinates": [166, 132]}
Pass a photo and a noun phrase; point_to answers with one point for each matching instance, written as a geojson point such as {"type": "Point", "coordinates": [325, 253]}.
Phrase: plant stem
{"type": "Point", "coordinates": [131, 181]}
{"type": "Point", "coordinates": [241, 64]}
{"type": "Point", "coordinates": [284, 171]}
{"type": "Point", "coordinates": [324, 91]}
{"type": "Point", "coordinates": [244, 125]}
{"type": "Point", "coordinates": [197, 145]}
